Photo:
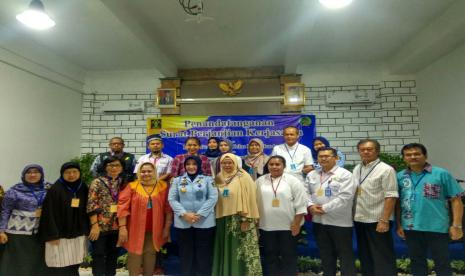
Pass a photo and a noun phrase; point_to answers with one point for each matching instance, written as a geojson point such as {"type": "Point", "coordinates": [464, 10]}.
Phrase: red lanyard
{"type": "Point", "coordinates": [277, 186]}
{"type": "Point", "coordinates": [322, 181]}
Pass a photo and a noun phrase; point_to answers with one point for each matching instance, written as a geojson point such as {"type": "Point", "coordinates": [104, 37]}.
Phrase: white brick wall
{"type": "Point", "coordinates": [393, 119]}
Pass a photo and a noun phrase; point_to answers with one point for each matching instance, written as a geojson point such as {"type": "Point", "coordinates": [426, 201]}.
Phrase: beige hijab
{"type": "Point", "coordinates": [256, 161]}
{"type": "Point", "coordinates": [244, 201]}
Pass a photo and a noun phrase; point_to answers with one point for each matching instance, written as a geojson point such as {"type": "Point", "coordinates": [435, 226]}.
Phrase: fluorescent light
{"type": "Point", "coordinates": [35, 17]}
{"type": "Point", "coordinates": [335, 4]}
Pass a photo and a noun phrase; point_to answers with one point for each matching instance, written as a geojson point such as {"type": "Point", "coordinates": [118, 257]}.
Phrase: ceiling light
{"type": "Point", "coordinates": [335, 4]}
{"type": "Point", "coordinates": [35, 17]}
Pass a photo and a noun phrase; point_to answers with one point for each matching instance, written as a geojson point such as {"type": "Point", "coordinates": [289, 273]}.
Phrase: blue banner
{"type": "Point", "coordinates": [239, 129]}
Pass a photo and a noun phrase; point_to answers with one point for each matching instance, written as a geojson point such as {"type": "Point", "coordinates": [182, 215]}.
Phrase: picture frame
{"type": "Point", "coordinates": [294, 94]}
{"type": "Point", "coordinates": [166, 98]}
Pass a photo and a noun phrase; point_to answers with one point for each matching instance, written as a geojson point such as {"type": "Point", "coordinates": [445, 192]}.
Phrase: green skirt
{"type": "Point", "coordinates": [23, 255]}
{"type": "Point", "coordinates": [235, 252]}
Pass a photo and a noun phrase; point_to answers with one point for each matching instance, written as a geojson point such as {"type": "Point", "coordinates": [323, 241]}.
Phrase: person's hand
{"type": "Point", "coordinates": [400, 232]}
{"type": "Point", "coordinates": [245, 226]}
{"type": "Point", "coordinates": [166, 232]}
{"type": "Point", "coordinates": [191, 218]}
{"type": "Point", "coordinates": [382, 226]}
{"type": "Point", "coordinates": [54, 242]}
{"type": "Point", "coordinates": [3, 238]}
{"type": "Point", "coordinates": [122, 235]}
{"type": "Point", "coordinates": [316, 210]}
{"type": "Point", "coordinates": [94, 232]}
{"type": "Point", "coordinates": [455, 233]}
{"type": "Point", "coordinates": [295, 229]}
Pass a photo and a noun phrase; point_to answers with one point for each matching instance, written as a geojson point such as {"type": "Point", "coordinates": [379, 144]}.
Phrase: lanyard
{"type": "Point", "coordinates": [292, 157]}
{"type": "Point", "coordinates": [322, 181]}
{"type": "Point", "coordinates": [40, 198]}
{"type": "Point", "coordinates": [360, 173]}
{"type": "Point", "coordinates": [113, 193]}
{"type": "Point", "coordinates": [252, 164]}
{"type": "Point", "coordinates": [415, 184]}
{"type": "Point", "coordinates": [156, 158]}
{"type": "Point", "coordinates": [277, 186]}
{"type": "Point", "coordinates": [74, 191]}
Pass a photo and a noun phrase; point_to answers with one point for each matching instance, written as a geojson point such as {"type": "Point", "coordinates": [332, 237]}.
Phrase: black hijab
{"type": "Point", "coordinates": [198, 161]}
{"type": "Point", "coordinates": [213, 152]}
{"type": "Point", "coordinates": [70, 165]}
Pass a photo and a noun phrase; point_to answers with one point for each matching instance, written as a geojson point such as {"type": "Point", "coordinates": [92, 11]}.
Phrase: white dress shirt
{"type": "Point", "coordinates": [162, 164]}
{"type": "Point", "coordinates": [334, 191]}
{"type": "Point", "coordinates": [296, 157]}
{"type": "Point", "coordinates": [375, 181]}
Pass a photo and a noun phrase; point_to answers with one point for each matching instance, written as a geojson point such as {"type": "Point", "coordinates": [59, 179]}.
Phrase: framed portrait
{"type": "Point", "coordinates": [294, 94]}
{"type": "Point", "coordinates": [166, 97]}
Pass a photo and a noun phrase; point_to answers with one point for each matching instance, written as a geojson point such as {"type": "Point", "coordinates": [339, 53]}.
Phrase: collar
{"type": "Point", "coordinates": [371, 164]}
{"type": "Point", "coordinates": [332, 171]}
{"type": "Point", "coordinates": [151, 155]}
{"type": "Point", "coordinates": [428, 168]}
{"type": "Point", "coordinates": [293, 147]}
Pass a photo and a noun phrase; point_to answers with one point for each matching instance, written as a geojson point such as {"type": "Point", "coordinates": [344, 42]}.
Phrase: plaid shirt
{"type": "Point", "coordinates": [177, 166]}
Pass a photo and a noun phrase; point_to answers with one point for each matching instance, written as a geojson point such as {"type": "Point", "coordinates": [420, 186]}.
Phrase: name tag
{"type": "Point", "coordinates": [275, 202]}
{"type": "Point", "coordinates": [226, 193]}
{"type": "Point", "coordinates": [293, 167]}
{"type": "Point", "coordinates": [38, 212]}
{"type": "Point", "coordinates": [328, 192]}
{"type": "Point", "coordinates": [113, 208]}
{"type": "Point", "coordinates": [199, 195]}
{"type": "Point", "coordinates": [359, 190]}
{"type": "Point", "coordinates": [75, 203]}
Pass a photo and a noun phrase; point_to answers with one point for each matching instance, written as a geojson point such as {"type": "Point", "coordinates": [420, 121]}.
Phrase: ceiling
{"type": "Point", "coordinates": [100, 35]}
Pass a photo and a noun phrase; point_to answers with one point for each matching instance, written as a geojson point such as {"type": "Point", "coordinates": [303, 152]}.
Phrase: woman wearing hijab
{"type": "Point", "coordinates": [192, 198]}
{"type": "Point", "coordinates": [64, 224]}
{"type": "Point", "coordinates": [225, 146]}
{"type": "Point", "coordinates": [213, 148]}
{"type": "Point", "coordinates": [19, 222]}
{"type": "Point", "coordinates": [236, 241]}
{"type": "Point", "coordinates": [254, 162]}
{"type": "Point", "coordinates": [320, 142]}
{"type": "Point", "coordinates": [101, 208]}
{"type": "Point", "coordinates": [144, 218]}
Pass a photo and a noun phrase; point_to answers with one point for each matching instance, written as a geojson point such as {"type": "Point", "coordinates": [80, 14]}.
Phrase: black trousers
{"type": "Point", "coordinates": [196, 250]}
{"type": "Point", "coordinates": [72, 270]}
{"type": "Point", "coordinates": [376, 250]}
{"type": "Point", "coordinates": [279, 253]}
{"type": "Point", "coordinates": [334, 242]}
{"type": "Point", "coordinates": [105, 254]}
{"type": "Point", "coordinates": [418, 244]}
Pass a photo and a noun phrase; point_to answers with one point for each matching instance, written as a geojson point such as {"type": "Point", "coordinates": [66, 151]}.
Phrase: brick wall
{"type": "Point", "coordinates": [393, 119]}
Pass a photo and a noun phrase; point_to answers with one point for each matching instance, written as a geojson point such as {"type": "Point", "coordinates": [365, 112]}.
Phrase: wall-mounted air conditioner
{"type": "Point", "coordinates": [122, 106]}
{"type": "Point", "coordinates": [350, 98]}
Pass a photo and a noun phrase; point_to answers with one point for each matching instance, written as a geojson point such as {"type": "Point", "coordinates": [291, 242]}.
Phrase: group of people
{"type": "Point", "coordinates": [232, 215]}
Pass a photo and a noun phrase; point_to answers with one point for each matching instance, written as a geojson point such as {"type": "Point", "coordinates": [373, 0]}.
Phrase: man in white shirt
{"type": "Point", "coordinates": [298, 157]}
{"type": "Point", "coordinates": [332, 192]}
{"type": "Point", "coordinates": [161, 161]}
{"type": "Point", "coordinates": [376, 197]}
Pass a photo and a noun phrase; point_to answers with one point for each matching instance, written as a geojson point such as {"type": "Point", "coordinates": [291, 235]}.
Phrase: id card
{"type": "Point", "coordinates": [275, 202]}
{"type": "Point", "coordinates": [75, 203]}
{"type": "Point", "coordinates": [199, 195]}
{"type": "Point", "coordinates": [293, 167]}
{"type": "Point", "coordinates": [319, 192]}
{"type": "Point", "coordinates": [38, 212]}
{"type": "Point", "coordinates": [226, 193]}
{"type": "Point", "coordinates": [113, 208]}
{"type": "Point", "coordinates": [328, 192]}
{"type": "Point", "coordinates": [359, 191]}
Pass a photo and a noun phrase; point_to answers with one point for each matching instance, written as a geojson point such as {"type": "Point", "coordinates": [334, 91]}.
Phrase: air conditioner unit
{"type": "Point", "coordinates": [350, 98]}
{"type": "Point", "coordinates": [122, 106]}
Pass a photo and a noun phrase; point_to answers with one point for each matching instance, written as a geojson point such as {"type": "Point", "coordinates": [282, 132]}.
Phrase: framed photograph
{"type": "Point", "coordinates": [166, 97]}
{"type": "Point", "coordinates": [294, 94]}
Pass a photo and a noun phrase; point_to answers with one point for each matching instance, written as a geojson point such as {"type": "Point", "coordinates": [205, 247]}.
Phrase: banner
{"type": "Point", "coordinates": [239, 129]}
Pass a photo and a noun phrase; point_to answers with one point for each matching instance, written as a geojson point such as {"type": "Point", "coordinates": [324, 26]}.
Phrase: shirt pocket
{"type": "Point", "coordinates": [431, 191]}
{"type": "Point", "coordinates": [335, 187]}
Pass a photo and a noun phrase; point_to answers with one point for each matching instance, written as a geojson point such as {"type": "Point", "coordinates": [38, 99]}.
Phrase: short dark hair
{"type": "Point", "coordinates": [333, 151]}
{"type": "Point", "coordinates": [419, 146]}
{"type": "Point", "coordinates": [368, 140]}
{"type": "Point", "coordinates": [112, 159]}
{"type": "Point", "coordinates": [197, 140]}
{"type": "Point", "coordinates": [117, 138]}
{"type": "Point", "coordinates": [294, 127]}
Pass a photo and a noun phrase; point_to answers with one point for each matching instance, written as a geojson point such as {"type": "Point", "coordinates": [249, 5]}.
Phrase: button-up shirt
{"type": "Point", "coordinates": [177, 166]}
{"type": "Point", "coordinates": [424, 196]}
{"type": "Point", "coordinates": [375, 182]}
{"type": "Point", "coordinates": [196, 196]}
{"type": "Point", "coordinates": [162, 163]}
{"type": "Point", "coordinates": [297, 156]}
{"type": "Point", "coordinates": [334, 191]}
